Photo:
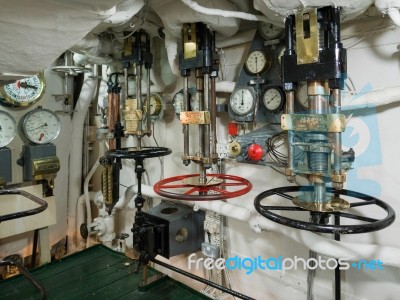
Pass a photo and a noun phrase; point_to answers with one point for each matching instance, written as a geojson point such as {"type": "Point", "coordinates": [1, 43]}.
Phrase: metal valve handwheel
{"type": "Point", "coordinates": [135, 153]}
{"type": "Point", "coordinates": [369, 225]}
{"type": "Point", "coordinates": [216, 187]}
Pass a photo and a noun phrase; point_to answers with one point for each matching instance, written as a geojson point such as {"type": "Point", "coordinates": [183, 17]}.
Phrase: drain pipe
{"type": "Point", "coordinates": [75, 160]}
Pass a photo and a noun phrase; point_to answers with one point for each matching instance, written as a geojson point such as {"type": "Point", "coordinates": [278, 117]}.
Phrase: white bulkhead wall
{"type": "Point", "coordinates": [373, 63]}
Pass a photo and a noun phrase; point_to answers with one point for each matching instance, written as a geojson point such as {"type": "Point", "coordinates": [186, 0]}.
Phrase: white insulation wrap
{"type": "Point", "coordinates": [174, 13]}
{"type": "Point", "coordinates": [277, 10]}
{"type": "Point", "coordinates": [35, 33]}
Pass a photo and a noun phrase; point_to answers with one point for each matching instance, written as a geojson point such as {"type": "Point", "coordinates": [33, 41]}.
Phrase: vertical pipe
{"type": "Point", "coordinates": [337, 137]}
{"type": "Point", "coordinates": [185, 126]}
{"type": "Point", "coordinates": [290, 110]}
{"type": "Point", "coordinates": [139, 102]}
{"type": "Point", "coordinates": [148, 116]}
{"type": "Point", "coordinates": [337, 269]}
{"type": "Point", "coordinates": [206, 140]}
{"type": "Point", "coordinates": [213, 117]}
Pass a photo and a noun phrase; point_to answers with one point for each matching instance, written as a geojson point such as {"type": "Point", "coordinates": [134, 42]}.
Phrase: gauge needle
{"type": "Point", "coordinates": [44, 125]}
{"type": "Point", "coordinates": [27, 86]}
{"type": "Point", "coordinates": [272, 99]}
{"type": "Point", "coordinates": [41, 136]}
{"type": "Point", "coordinates": [242, 99]}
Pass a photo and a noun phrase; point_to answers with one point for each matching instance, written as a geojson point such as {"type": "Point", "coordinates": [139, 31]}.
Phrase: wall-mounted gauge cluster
{"type": "Point", "coordinates": [24, 92]}
{"type": "Point", "coordinates": [258, 94]}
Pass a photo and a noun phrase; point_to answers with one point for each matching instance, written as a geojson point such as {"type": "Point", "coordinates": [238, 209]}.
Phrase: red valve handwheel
{"type": "Point", "coordinates": [228, 186]}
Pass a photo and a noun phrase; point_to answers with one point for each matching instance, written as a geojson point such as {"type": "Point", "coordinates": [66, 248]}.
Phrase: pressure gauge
{"type": "Point", "coordinates": [8, 128]}
{"type": "Point", "coordinates": [40, 126]}
{"type": "Point", "coordinates": [242, 101]}
{"type": "Point", "coordinates": [155, 105]}
{"type": "Point", "coordinates": [269, 31]}
{"type": "Point", "coordinates": [257, 62]}
{"type": "Point", "coordinates": [24, 92]}
{"type": "Point", "coordinates": [178, 101]}
{"type": "Point", "coordinates": [195, 101]}
{"type": "Point", "coordinates": [302, 95]}
{"type": "Point", "coordinates": [273, 99]}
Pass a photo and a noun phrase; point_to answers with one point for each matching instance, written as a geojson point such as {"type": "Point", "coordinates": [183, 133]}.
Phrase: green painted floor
{"type": "Point", "coordinates": [96, 273]}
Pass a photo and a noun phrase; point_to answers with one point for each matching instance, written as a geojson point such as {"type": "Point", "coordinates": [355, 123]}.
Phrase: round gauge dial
{"type": "Point", "coordinates": [8, 128]}
{"type": "Point", "coordinates": [155, 105]}
{"type": "Point", "coordinates": [195, 102]}
{"type": "Point", "coordinates": [24, 92]}
{"type": "Point", "coordinates": [273, 99]}
{"type": "Point", "coordinates": [302, 95]}
{"type": "Point", "coordinates": [257, 62]}
{"type": "Point", "coordinates": [269, 31]}
{"type": "Point", "coordinates": [41, 126]}
{"type": "Point", "coordinates": [178, 101]}
{"type": "Point", "coordinates": [242, 101]}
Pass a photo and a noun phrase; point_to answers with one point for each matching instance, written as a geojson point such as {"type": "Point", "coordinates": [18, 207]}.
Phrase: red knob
{"type": "Point", "coordinates": [255, 152]}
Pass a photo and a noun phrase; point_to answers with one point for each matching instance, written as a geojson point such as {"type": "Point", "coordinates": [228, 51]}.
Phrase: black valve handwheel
{"type": "Point", "coordinates": [371, 224]}
{"type": "Point", "coordinates": [134, 152]}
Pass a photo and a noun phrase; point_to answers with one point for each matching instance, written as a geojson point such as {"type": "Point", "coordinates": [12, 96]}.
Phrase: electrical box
{"type": "Point", "coordinates": [5, 163]}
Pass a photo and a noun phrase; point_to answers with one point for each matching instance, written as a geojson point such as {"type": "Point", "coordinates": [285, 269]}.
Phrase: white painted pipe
{"type": "Point", "coordinates": [224, 13]}
{"type": "Point", "coordinates": [126, 197]}
{"type": "Point", "coordinates": [75, 164]}
{"type": "Point", "coordinates": [374, 98]}
{"type": "Point", "coordinates": [171, 45]}
{"type": "Point", "coordinates": [394, 15]}
{"type": "Point", "coordinates": [225, 86]}
{"type": "Point", "coordinates": [351, 251]}
{"type": "Point", "coordinates": [80, 215]}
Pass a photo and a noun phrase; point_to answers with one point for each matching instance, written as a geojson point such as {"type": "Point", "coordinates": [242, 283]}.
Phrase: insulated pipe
{"type": "Point", "coordinates": [171, 45]}
{"type": "Point", "coordinates": [75, 165]}
{"type": "Point", "coordinates": [374, 98]}
{"type": "Point", "coordinates": [325, 246]}
{"type": "Point", "coordinates": [394, 15]}
{"type": "Point", "coordinates": [81, 207]}
{"type": "Point", "coordinates": [224, 13]}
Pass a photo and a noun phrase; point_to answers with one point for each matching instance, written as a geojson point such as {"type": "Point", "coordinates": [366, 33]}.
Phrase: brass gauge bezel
{"type": "Point", "coordinates": [9, 100]}
{"type": "Point", "coordinates": [257, 55]}
{"type": "Point", "coordinates": [155, 104]}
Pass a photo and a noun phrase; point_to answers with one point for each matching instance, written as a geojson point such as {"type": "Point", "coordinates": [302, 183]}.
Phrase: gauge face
{"type": "Point", "coordinates": [195, 102]}
{"type": "Point", "coordinates": [257, 62]}
{"type": "Point", "coordinates": [41, 126]}
{"type": "Point", "coordinates": [302, 95]}
{"type": "Point", "coordinates": [178, 102]}
{"type": "Point", "coordinates": [155, 105]}
{"type": "Point", "coordinates": [8, 128]}
{"type": "Point", "coordinates": [269, 31]}
{"type": "Point", "coordinates": [273, 99]}
{"type": "Point", "coordinates": [24, 92]}
{"type": "Point", "coordinates": [242, 101]}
